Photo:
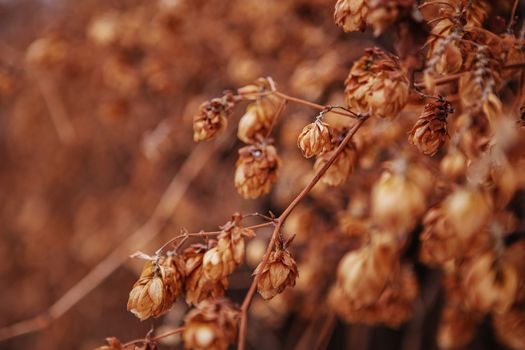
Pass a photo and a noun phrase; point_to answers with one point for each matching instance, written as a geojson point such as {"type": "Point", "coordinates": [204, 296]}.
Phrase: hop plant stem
{"type": "Point", "coordinates": [279, 223]}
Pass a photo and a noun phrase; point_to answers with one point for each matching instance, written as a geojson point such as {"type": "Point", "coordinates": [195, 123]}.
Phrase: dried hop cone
{"type": "Point", "coordinates": [260, 115]}
{"type": "Point", "coordinates": [198, 286]}
{"type": "Point", "coordinates": [160, 283]}
{"type": "Point", "coordinates": [351, 15]}
{"type": "Point", "coordinates": [256, 170]}
{"type": "Point", "coordinates": [430, 131]}
{"type": "Point", "coordinates": [221, 260]}
{"type": "Point", "coordinates": [342, 167]}
{"type": "Point", "coordinates": [315, 139]}
{"type": "Point", "coordinates": [376, 84]}
{"type": "Point", "coordinates": [212, 325]}
{"type": "Point", "coordinates": [279, 272]}
{"type": "Point", "coordinates": [212, 117]}
{"type": "Point", "coordinates": [391, 213]}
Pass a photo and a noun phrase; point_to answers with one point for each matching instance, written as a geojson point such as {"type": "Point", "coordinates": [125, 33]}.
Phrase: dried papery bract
{"type": "Point", "coordinates": [212, 325]}
{"type": "Point", "coordinates": [257, 169]}
{"type": "Point", "coordinates": [159, 285]}
{"type": "Point", "coordinates": [467, 210]}
{"type": "Point", "coordinates": [342, 167]}
{"type": "Point", "coordinates": [377, 85]}
{"type": "Point", "coordinates": [491, 284]}
{"type": "Point", "coordinates": [279, 273]}
{"type": "Point", "coordinates": [351, 15]}
{"type": "Point", "coordinates": [220, 261]}
{"type": "Point", "coordinates": [213, 117]}
{"type": "Point", "coordinates": [393, 307]}
{"type": "Point", "coordinates": [430, 131]}
{"type": "Point", "coordinates": [315, 139]}
{"type": "Point", "coordinates": [198, 286]}
{"type": "Point", "coordinates": [399, 198]}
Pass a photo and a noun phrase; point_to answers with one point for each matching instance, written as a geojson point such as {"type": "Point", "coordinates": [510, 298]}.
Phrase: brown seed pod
{"type": "Point", "coordinates": [261, 115]}
{"type": "Point", "coordinates": [430, 131]}
{"type": "Point", "coordinates": [198, 287]}
{"type": "Point", "coordinates": [454, 164]}
{"type": "Point", "coordinates": [256, 170]}
{"type": "Point", "coordinates": [315, 139]}
{"type": "Point", "coordinates": [363, 273]}
{"type": "Point", "coordinates": [376, 84]}
{"type": "Point", "coordinates": [279, 273]}
{"type": "Point", "coordinates": [212, 325]}
{"type": "Point", "coordinates": [351, 15]}
{"type": "Point", "coordinates": [212, 117]}
{"type": "Point", "coordinates": [158, 287]}
{"type": "Point", "coordinates": [468, 210]}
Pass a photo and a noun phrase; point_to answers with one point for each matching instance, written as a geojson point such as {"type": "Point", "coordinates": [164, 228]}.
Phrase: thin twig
{"type": "Point", "coordinates": [149, 230]}
{"type": "Point", "coordinates": [279, 223]}
{"type": "Point", "coordinates": [57, 111]}
{"type": "Point", "coordinates": [158, 337]}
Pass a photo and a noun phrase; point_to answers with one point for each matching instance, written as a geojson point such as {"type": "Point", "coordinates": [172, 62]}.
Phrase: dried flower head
{"type": "Point", "coordinates": [468, 210]}
{"type": "Point", "coordinates": [220, 261]}
{"type": "Point", "coordinates": [213, 117]}
{"type": "Point", "coordinates": [256, 170]}
{"type": "Point", "coordinates": [160, 283]}
{"type": "Point", "coordinates": [212, 325]}
{"type": "Point", "coordinates": [342, 167]}
{"type": "Point", "coordinates": [387, 210]}
{"type": "Point", "coordinates": [351, 15]}
{"type": "Point", "coordinates": [260, 116]}
{"type": "Point", "coordinates": [491, 284]}
{"type": "Point", "coordinates": [278, 273]}
{"type": "Point", "coordinates": [430, 131]}
{"type": "Point", "coordinates": [362, 274]}
{"type": "Point", "coordinates": [376, 84]}
{"type": "Point", "coordinates": [315, 139]}
{"type": "Point", "coordinates": [198, 287]}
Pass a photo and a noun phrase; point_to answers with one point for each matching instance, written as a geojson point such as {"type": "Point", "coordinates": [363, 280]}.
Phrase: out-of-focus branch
{"type": "Point", "coordinates": [57, 111]}
{"type": "Point", "coordinates": [149, 230]}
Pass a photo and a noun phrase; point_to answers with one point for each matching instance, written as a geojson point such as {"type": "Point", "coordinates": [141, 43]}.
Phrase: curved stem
{"type": "Point", "coordinates": [279, 223]}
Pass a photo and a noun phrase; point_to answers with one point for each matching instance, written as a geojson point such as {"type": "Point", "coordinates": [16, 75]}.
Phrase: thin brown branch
{"type": "Point", "coordinates": [279, 223]}
{"type": "Point", "coordinates": [204, 234]}
{"type": "Point", "coordinates": [512, 16]}
{"type": "Point", "coordinates": [158, 337]}
{"type": "Point", "coordinates": [159, 219]}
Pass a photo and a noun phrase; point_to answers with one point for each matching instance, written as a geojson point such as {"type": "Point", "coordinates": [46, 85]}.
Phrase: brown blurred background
{"type": "Point", "coordinates": [96, 104]}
